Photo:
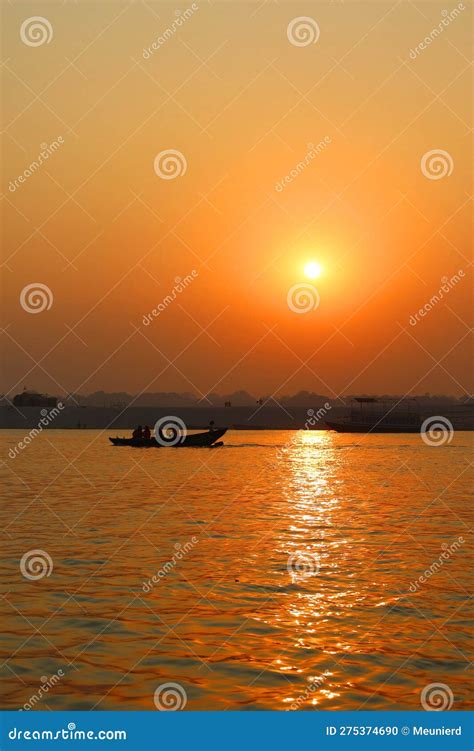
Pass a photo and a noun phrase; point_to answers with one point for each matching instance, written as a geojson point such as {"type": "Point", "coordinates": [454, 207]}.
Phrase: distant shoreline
{"type": "Point", "coordinates": [265, 417]}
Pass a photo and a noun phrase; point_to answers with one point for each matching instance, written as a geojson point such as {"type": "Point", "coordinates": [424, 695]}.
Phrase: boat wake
{"type": "Point", "coordinates": [253, 446]}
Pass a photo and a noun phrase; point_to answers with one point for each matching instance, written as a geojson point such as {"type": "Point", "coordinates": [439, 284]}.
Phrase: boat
{"type": "Point", "coordinates": [371, 415]}
{"type": "Point", "coordinates": [191, 440]}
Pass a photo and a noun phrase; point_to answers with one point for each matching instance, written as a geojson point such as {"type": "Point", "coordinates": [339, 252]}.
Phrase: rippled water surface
{"type": "Point", "coordinates": [294, 581]}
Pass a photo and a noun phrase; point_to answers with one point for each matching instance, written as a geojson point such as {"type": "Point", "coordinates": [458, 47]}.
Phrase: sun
{"type": "Point", "coordinates": [313, 270]}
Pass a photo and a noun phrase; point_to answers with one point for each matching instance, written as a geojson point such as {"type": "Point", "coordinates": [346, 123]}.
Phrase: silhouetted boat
{"type": "Point", "coordinates": [377, 416]}
{"type": "Point", "coordinates": [191, 440]}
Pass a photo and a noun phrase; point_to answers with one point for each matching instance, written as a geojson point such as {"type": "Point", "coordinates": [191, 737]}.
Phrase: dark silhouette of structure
{"type": "Point", "coordinates": [34, 399]}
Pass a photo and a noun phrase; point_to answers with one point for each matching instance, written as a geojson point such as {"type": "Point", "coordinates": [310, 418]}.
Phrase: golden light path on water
{"type": "Point", "coordinates": [287, 571]}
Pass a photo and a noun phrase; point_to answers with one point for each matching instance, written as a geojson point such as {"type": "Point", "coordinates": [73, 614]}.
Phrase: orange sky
{"type": "Point", "coordinates": [227, 88]}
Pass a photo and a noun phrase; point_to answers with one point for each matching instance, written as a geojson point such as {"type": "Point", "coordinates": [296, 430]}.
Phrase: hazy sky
{"type": "Point", "coordinates": [241, 93]}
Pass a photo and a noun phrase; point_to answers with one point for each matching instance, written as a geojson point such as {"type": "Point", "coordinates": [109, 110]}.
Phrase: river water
{"type": "Point", "coordinates": [282, 571]}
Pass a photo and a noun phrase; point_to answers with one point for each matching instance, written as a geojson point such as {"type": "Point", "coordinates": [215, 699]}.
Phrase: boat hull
{"type": "Point", "coordinates": [353, 427]}
{"type": "Point", "coordinates": [195, 440]}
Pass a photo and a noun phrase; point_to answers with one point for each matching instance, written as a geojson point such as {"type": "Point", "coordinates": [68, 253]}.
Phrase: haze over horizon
{"type": "Point", "coordinates": [112, 239]}
{"type": "Point", "coordinates": [237, 398]}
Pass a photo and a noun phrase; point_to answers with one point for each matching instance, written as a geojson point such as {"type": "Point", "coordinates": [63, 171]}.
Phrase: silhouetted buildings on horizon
{"type": "Point", "coordinates": [34, 399]}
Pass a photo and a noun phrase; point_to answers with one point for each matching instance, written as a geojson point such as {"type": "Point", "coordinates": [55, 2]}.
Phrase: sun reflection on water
{"type": "Point", "coordinates": [310, 490]}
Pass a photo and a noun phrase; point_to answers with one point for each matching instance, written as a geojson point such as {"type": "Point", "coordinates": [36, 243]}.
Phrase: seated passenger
{"type": "Point", "coordinates": [138, 432]}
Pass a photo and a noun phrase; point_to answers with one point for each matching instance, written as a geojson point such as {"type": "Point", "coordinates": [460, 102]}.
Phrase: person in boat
{"type": "Point", "coordinates": [146, 433]}
{"type": "Point", "coordinates": [138, 432]}
{"type": "Point", "coordinates": [211, 426]}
